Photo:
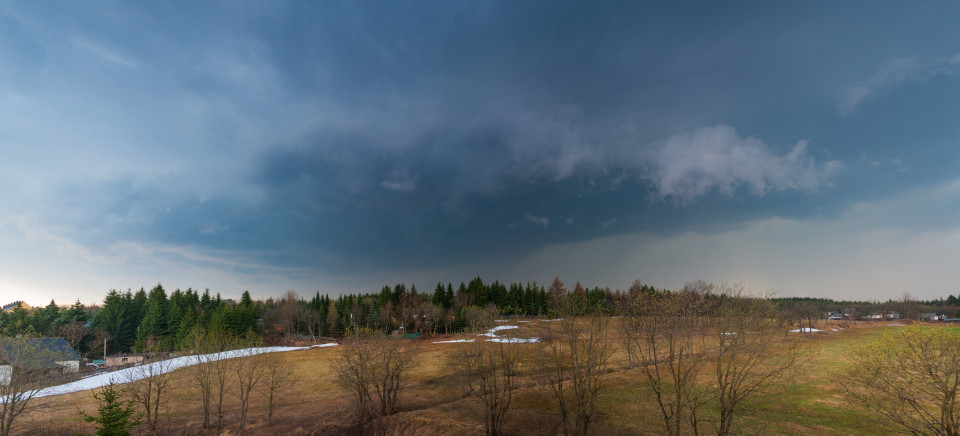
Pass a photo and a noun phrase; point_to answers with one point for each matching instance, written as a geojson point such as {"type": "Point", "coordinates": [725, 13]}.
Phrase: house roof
{"type": "Point", "coordinates": [14, 305]}
{"type": "Point", "coordinates": [36, 352]}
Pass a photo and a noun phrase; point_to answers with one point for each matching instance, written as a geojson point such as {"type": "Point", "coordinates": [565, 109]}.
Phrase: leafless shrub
{"type": "Point", "coordinates": [248, 368]}
{"type": "Point", "coordinates": [27, 368]}
{"type": "Point", "coordinates": [754, 353]}
{"type": "Point", "coordinates": [148, 384]}
{"type": "Point", "coordinates": [372, 368]}
{"type": "Point", "coordinates": [910, 378]}
{"type": "Point", "coordinates": [665, 334]}
{"type": "Point", "coordinates": [277, 379]}
{"type": "Point", "coordinates": [573, 363]}
{"type": "Point", "coordinates": [210, 372]}
{"type": "Point", "coordinates": [489, 370]}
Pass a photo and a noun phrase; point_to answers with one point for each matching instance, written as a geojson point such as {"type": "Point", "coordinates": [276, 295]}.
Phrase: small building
{"type": "Point", "coordinates": [929, 316]}
{"type": "Point", "coordinates": [124, 359]}
{"type": "Point", "coordinates": [13, 306]}
{"type": "Point", "coordinates": [36, 354]}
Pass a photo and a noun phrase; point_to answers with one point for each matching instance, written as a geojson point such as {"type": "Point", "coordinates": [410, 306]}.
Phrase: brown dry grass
{"type": "Point", "coordinates": [432, 403]}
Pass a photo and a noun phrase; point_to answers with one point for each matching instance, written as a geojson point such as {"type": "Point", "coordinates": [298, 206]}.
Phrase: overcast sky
{"type": "Point", "coordinates": [811, 148]}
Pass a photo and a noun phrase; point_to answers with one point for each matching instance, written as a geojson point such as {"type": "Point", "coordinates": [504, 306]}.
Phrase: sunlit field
{"type": "Point", "coordinates": [434, 402]}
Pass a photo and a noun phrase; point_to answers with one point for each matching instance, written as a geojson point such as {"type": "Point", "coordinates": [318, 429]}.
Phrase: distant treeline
{"type": "Point", "coordinates": [156, 321]}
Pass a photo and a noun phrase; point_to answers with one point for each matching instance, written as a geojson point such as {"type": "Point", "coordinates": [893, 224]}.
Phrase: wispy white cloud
{"type": "Point", "coordinates": [608, 222]}
{"type": "Point", "coordinates": [556, 145]}
{"type": "Point", "coordinates": [102, 52]}
{"type": "Point", "coordinates": [64, 247]}
{"type": "Point", "coordinates": [538, 220]}
{"type": "Point", "coordinates": [894, 73]}
{"type": "Point", "coordinates": [400, 180]}
{"type": "Point", "coordinates": [687, 166]}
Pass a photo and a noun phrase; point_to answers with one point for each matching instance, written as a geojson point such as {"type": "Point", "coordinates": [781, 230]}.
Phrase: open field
{"type": "Point", "coordinates": [434, 403]}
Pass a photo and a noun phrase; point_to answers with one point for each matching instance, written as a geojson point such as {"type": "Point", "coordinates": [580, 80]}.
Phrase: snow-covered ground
{"type": "Point", "coordinates": [163, 366]}
{"type": "Point", "coordinates": [493, 332]}
{"type": "Point", "coordinates": [805, 330]}
{"type": "Point", "coordinates": [514, 340]}
{"type": "Point", "coordinates": [454, 341]}
{"type": "Point", "coordinates": [492, 335]}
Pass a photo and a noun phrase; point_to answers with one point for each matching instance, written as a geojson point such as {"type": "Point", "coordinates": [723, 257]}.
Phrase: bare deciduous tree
{"type": "Point", "coordinates": [911, 378]}
{"type": "Point", "coordinates": [100, 339]}
{"type": "Point", "coordinates": [26, 368]}
{"type": "Point", "coordinates": [277, 379]}
{"type": "Point", "coordinates": [202, 372]}
{"type": "Point", "coordinates": [666, 335]}
{"type": "Point", "coordinates": [753, 355]}
{"type": "Point", "coordinates": [148, 387]}
{"type": "Point", "coordinates": [73, 332]}
{"type": "Point", "coordinates": [210, 372]}
{"type": "Point", "coordinates": [247, 367]}
{"type": "Point", "coordinates": [489, 370]}
{"type": "Point", "coordinates": [373, 369]}
{"type": "Point", "coordinates": [573, 362]}
{"type": "Point", "coordinates": [221, 371]}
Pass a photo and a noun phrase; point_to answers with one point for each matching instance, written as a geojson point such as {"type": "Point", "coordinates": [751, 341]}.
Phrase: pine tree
{"type": "Point", "coordinates": [448, 298]}
{"type": "Point", "coordinates": [119, 318]}
{"type": "Point", "coordinates": [439, 294]}
{"type": "Point", "coordinates": [76, 313]}
{"type": "Point", "coordinates": [114, 416]}
{"type": "Point", "coordinates": [479, 292]}
{"type": "Point", "coordinates": [153, 329]}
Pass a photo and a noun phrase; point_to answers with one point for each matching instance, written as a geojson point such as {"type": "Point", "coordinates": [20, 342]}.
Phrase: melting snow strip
{"type": "Point", "coordinates": [514, 340]}
{"type": "Point", "coordinates": [163, 366]}
{"type": "Point", "coordinates": [454, 340]}
{"type": "Point", "coordinates": [492, 332]}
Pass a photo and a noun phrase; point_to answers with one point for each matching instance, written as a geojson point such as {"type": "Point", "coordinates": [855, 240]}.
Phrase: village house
{"type": "Point", "coordinates": [13, 306]}
{"type": "Point", "coordinates": [123, 359]}
{"type": "Point", "coordinates": [36, 354]}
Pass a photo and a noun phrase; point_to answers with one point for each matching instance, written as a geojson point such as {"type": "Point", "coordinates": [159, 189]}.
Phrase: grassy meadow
{"type": "Point", "coordinates": [435, 403]}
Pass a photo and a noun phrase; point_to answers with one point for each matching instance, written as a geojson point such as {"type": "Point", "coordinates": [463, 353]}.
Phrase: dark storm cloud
{"type": "Point", "coordinates": [355, 137]}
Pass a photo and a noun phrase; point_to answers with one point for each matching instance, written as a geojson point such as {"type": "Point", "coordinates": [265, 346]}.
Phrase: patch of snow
{"type": "Point", "coordinates": [895, 325]}
{"type": "Point", "coordinates": [514, 340]}
{"type": "Point", "coordinates": [525, 320]}
{"type": "Point", "coordinates": [729, 333]}
{"type": "Point", "coordinates": [492, 332]}
{"type": "Point", "coordinates": [805, 330]}
{"type": "Point", "coordinates": [835, 330]}
{"type": "Point", "coordinates": [501, 320]}
{"type": "Point", "coordinates": [163, 366]}
{"type": "Point", "coordinates": [454, 340]}
{"type": "Point", "coordinates": [549, 320]}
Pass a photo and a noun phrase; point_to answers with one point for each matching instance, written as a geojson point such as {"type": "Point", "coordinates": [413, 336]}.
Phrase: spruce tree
{"type": "Point", "coordinates": [448, 299]}
{"type": "Point", "coordinates": [114, 416]}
